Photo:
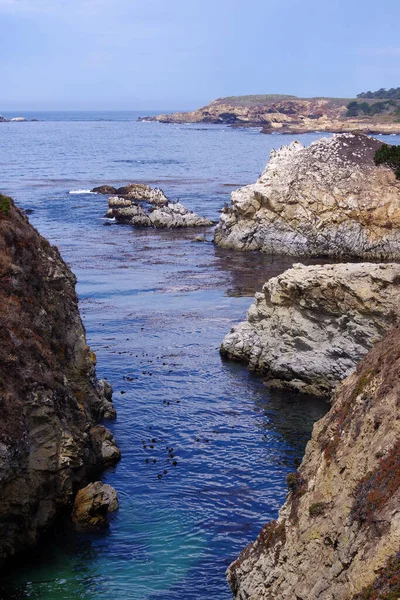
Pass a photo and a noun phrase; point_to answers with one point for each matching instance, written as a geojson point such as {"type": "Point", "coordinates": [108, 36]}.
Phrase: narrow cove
{"type": "Point", "coordinates": [156, 306]}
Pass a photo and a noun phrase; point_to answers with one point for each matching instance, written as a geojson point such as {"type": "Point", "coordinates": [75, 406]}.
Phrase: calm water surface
{"type": "Point", "coordinates": [156, 306]}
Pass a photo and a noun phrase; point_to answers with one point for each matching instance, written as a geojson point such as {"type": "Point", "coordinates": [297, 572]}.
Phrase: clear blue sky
{"type": "Point", "coordinates": [180, 54]}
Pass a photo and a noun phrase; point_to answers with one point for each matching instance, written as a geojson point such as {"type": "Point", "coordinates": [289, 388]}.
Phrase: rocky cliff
{"type": "Point", "coordinates": [50, 400]}
{"type": "Point", "coordinates": [338, 535]}
{"type": "Point", "coordinates": [287, 114]}
{"type": "Point", "coordinates": [310, 326]}
{"type": "Point", "coordinates": [329, 199]}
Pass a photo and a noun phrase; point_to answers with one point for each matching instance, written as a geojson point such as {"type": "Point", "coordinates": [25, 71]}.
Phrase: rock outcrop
{"type": "Point", "coordinates": [15, 120]}
{"type": "Point", "coordinates": [288, 114]}
{"type": "Point", "coordinates": [329, 199]}
{"type": "Point", "coordinates": [92, 506]}
{"type": "Point", "coordinates": [50, 400]}
{"type": "Point", "coordinates": [164, 214]}
{"type": "Point", "coordinates": [338, 535]}
{"type": "Point", "coordinates": [310, 326]}
{"type": "Point", "coordinates": [136, 192]}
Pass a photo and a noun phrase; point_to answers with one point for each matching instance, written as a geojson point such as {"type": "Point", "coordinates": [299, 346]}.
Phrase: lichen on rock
{"type": "Point", "coordinates": [50, 398]}
{"type": "Point", "coordinates": [329, 199]}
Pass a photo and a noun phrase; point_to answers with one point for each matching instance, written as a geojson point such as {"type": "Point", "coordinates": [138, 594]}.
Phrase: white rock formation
{"type": "Point", "coordinates": [325, 200]}
{"type": "Point", "coordinates": [310, 326]}
{"type": "Point", "coordinates": [165, 215]}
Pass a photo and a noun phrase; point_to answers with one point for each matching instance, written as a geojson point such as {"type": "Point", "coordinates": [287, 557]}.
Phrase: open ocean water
{"type": "Point", "coordinates": [156, 306]}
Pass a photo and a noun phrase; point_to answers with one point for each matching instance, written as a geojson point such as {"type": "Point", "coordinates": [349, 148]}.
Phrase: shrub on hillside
{"type": "Point", "coordinates": [390, 156]}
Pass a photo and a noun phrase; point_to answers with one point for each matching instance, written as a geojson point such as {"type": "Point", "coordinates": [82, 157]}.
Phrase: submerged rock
{"type": "Point", "coordinates": [310, 326]}
{"type": "Point", "coordinates": [337, 536]}
{"type": "Point", "coordinates": [50, 397]}
{"type": "Point", "coordinates": [92, 506]}
{"type": "Point", "coordinates": [329, 199]}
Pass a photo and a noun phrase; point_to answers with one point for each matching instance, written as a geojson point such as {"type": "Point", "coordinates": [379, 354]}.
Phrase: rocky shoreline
{"type": "Point", "coordinates": [51, 440]}
{"type": "Point", "coordinates": [284, 114]}
{"type": "Point", "coordinates": [337, 536]}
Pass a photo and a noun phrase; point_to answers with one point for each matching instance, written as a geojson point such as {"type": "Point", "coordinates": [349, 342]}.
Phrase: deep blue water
{"type": "Point", "coordinates": [156, 306]}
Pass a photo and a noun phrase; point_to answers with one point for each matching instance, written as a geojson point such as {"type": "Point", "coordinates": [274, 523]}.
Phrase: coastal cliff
{"type": "Point", "coordinates": [338, 535]}
{"type": "Point", "coordinates": [329, 199]}
{"type": "Point", "coordinates": [289, 114]}
{"type": "Point", "coordinates": [309, 327]}
{"type": "Point", "coordinates": [51, 401]}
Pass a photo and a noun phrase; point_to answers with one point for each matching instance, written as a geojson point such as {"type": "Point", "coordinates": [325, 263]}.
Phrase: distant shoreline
{"type": "Point", "coordinates": [289, 114]}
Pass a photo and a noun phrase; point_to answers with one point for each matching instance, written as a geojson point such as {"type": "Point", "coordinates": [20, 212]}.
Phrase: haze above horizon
{"type": "Point", "coordinates": [151, 55]}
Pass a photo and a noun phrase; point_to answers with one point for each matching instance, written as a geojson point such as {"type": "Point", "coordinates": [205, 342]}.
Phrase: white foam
{"type": "Point", "coordinates": [81, 192]}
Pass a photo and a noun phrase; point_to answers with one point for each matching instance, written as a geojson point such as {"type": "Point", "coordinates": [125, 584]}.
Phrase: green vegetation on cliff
{"type": "Point", "coordinates": [365, 109]}
{"type": "Point", "coordinates": [390, 156]}
{"type": "Point", "coordinates": [393, 94]}
{"type": "Point", "coordinates": [5, 204]}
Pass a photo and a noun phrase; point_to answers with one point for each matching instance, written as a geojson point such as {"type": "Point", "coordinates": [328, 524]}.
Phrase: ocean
{"type": "Point", "coordinates": [156, 306]}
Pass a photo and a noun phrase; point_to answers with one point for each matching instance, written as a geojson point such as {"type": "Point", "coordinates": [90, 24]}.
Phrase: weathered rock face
{"type": "Point", "coordinates": [164, 215]}
{"type": "Point", "coordinates": [310, 326]}
{"type": "Point", "coordinates": [285, 114]}
{"type": "Point", "coordinates": [92, 506]}
{"type": "Point", "coordinates": [137, 192]}
{"type": "Point", "coordinates": [325, 200]}
{"type": "Point", "coordinates": [341, 522]}
{"type": "Point", "coordinates": [50, 399]}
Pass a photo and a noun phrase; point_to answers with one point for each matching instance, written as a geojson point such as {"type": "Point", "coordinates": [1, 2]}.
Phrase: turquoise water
{"type": "Point", "coordinates": [156, 306]}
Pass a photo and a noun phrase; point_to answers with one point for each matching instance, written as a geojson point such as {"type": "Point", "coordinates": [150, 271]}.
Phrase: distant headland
{"type": "Point", "coordinates": [371, 112]}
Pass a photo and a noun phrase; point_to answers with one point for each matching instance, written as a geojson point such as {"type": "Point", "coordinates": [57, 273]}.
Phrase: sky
{"type": "Point", "coordinates": [181, 54]}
